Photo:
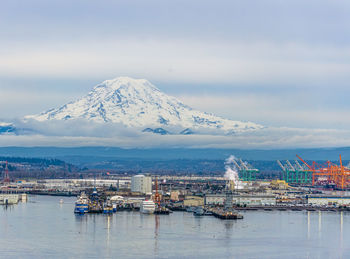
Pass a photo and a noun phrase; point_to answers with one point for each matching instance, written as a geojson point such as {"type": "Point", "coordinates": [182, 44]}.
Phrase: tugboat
{"type": "Point", "coordinates": [82, 204]}
{"type": "Point", "coordinates": [107, 207]}
{"type": "Point", "coordinates": [200, 211]}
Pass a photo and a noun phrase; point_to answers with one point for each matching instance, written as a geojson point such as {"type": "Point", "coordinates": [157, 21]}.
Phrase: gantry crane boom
{"type": "Point", "coordinates": [305, 162]}
{"type": "Point", "coordinates": [290, 165]}
{"type": "Point", "coordinates": [280, 164]}
{"type": "Point", "coordinates": [236, 164]}
{"type": "Point", "coordinates": [243, 164]}
{"type": "Point", "coordinates": [298, 165]}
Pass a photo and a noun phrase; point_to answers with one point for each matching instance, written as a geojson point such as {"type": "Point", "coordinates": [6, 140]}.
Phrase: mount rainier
{"type": "Point", "coordinates": [137, 103]}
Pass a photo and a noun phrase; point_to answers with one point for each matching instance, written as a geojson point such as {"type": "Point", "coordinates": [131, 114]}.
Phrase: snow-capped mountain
{"type": "Point", "coordinates": [138, 103]}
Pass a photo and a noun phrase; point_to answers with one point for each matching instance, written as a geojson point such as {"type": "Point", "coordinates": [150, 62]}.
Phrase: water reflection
{"type": "Point", "coordinates": [319, 223]}
{"type": "Point", "coordinates": [109, 217]}
{"type": "Point", "coordinates": [156, 232]}
{"type": "Point", "coordinates": [228, 230]}
{"type": "Point", "coordinates": [81, 222]}
{"type": "Point", "coordinates": [7, 207]}
{"type": "Point", "coordinates": [228, 224]}
{"type": "Point", "coordinates": [94, 227]}
{"type": "Point", "coordinates": [341, 230]}
{"type": "Point", "coordinates": [308, 225]}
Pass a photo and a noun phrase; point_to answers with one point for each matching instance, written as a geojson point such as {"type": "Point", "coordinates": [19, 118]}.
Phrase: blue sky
{"type": "Point", "coordinates": [277, 63]}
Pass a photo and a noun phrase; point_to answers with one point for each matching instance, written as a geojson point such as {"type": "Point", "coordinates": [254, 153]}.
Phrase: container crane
{"type": "Point", "coordinates": [332, 173]}
{"type": "Point", "coordinates": [295, 174]}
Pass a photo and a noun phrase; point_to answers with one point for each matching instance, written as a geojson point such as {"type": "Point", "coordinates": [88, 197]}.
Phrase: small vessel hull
{"type": "Point", "coordinates": [147, 207]}
{"type": "Point", "coordinates": [226, 214]}
{"type": "Point", "coordinates": [82, 204]}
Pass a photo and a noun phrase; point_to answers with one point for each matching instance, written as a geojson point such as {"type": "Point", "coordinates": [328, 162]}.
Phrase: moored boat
{"type": "Point", "coordinates": [200, 211]}
{"type": "Point", "coordinates": [147, 207]}
{"type": "Point", "coordinates": [82, 204]}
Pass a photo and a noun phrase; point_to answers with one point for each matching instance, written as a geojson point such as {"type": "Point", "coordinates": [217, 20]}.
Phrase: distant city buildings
{"type": "Point", "coordinates": [142, 184]}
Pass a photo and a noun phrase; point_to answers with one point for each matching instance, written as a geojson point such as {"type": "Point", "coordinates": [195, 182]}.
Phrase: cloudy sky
{"type": "Point", "coordinates": [277, 63]}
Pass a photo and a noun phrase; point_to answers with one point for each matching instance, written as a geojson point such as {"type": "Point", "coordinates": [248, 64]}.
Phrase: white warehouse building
{"type": "Point", "coordinates": [247, 200]}
{"type": "Point", "coordinates": [328, 200]}
{"type": "Point", "coordinates": [141, 183]}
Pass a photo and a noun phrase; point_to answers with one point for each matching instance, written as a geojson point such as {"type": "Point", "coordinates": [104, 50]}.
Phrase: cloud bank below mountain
{"type": "Point", "coordinates": [83, 133]}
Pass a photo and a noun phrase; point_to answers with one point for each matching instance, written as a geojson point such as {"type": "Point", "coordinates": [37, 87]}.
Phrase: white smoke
{"type": "Point", "coordinates": [231, 172]}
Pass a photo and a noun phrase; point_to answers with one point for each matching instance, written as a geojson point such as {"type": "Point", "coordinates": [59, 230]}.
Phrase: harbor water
{"type": "Point", "coordinates": [44, 227]}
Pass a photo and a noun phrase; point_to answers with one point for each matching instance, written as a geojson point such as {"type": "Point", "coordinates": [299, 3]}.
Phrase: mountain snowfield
{"type": "Point", "coordinates": [137, 103]}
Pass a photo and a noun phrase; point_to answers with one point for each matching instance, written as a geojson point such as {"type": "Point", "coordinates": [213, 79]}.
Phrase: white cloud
{"type": "Point", "coordinates": [79, 133]}
{"type": "Point", "coordinates": [182, 61]}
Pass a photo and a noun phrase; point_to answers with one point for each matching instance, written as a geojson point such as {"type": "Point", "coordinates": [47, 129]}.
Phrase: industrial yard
{"type": "Point", "coordinates": [302, 187]}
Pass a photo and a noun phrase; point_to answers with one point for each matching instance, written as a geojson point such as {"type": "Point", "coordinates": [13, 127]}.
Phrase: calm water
{"type": "Point", "coordinates": [43, 228]}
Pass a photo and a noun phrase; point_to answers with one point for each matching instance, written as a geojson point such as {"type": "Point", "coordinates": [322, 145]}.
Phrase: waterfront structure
{"type": "Point", "coordinates": [142, 184]}
{"type": "Point", "coordinates": [328, 200]}
{"type": "Point", "coordinates": [193, 201]}
{"type": "Point", "coordinates": [241, 200]}
{"type": "Point", "coordinates": [174, 195]}
{"type": "Point", "coordinates": [8, 199]}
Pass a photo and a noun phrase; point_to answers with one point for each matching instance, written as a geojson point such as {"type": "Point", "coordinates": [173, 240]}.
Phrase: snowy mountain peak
{"type": "Point", "coordinates": [138, 103]}
{"type": "Point", "coordinates": [126, 83]}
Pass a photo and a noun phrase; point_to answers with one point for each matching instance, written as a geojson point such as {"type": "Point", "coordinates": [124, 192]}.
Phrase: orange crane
{"type": "Point", "coordinates": [157, 195]}
{"type": "Point", "coordinates": [6, 175]}
{"type": "Point", "coordinates": [332, 173]}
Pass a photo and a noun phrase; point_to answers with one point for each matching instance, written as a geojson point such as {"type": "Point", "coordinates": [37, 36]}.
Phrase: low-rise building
{"type": "Point", "coordinates": [328, 200]}
{"type": "Point", "coordinates": [241, 200]}
{"type": "Point", "coordinates": [193, 201]}
{"type": "Point", "coordinates": [174, 195]}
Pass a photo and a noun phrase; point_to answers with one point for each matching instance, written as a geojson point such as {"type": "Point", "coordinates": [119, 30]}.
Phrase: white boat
{"type": "Point", "coordinates": [147, 207]}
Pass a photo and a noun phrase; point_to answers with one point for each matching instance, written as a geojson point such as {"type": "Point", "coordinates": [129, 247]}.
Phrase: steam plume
{"type": "Point", "coordinates": [231, 172]}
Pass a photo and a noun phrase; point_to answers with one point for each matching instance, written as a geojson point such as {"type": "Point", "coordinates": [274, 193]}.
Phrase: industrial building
{"type": "Point", "coordinates": [191, 201]}
{"type": "Point", "coordinates": [241, 200]}
{"type": "Point", "coordinates": [174, 195]}
{"type": "Point", "coordinates": [141, 184]}
{"type": "Point", "coordinates": [328, 200]}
